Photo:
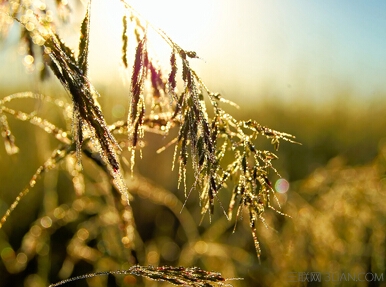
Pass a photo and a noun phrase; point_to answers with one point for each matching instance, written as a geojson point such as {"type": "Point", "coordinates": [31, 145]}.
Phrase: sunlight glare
{"type": "Point", "coordinates": [182, 21]}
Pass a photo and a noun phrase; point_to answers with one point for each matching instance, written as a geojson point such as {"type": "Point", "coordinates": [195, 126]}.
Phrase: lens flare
{"type": "Point", "coordinates": [281, 185]}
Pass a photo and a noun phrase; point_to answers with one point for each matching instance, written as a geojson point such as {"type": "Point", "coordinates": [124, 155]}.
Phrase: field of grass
{"type": "Point", "coordinates": [67, 225]}
{"type": "Point", "coordinates": [74, 205]}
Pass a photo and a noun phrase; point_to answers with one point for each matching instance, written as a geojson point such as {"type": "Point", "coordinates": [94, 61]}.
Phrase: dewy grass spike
{"type": "Point", "coordinates": [219, 149]}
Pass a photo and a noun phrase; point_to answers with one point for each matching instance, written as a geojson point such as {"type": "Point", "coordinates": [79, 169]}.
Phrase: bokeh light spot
{"type": "Point", "coordinates": [152, 257]}
{"type": "Point", "coordinates": [170, 251]}
{"type": "Point", "coordinates": [46, 222]}
{"type": "Point", "coordinates": [130, 280]}
{"type": "Point", "coordinates": [83, 234]}
{"type": "Point", "coordinates": [201, 247]}
{"type": "Point", "coordinates": [282, 185]}
{"type": "Point", "coordinates": [7, 253]}
{"type": "Point", "coordinates": [21, 258]}
{"type": "Point", "coordinates": [28, 60]}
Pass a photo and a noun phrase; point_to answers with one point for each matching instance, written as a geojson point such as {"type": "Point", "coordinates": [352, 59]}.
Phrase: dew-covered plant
{"type": "Point", "coordinates": [219, 150]}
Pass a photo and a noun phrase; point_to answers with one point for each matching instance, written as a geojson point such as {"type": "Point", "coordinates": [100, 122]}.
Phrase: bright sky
{"type": "Point", "coordinates": [313, 48]}
{"type": "Point", "coordinates": [251, 47]}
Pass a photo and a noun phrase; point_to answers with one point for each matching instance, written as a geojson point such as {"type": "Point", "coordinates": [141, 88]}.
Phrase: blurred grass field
{"type": "Point", "coordinates": [336, 201]}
